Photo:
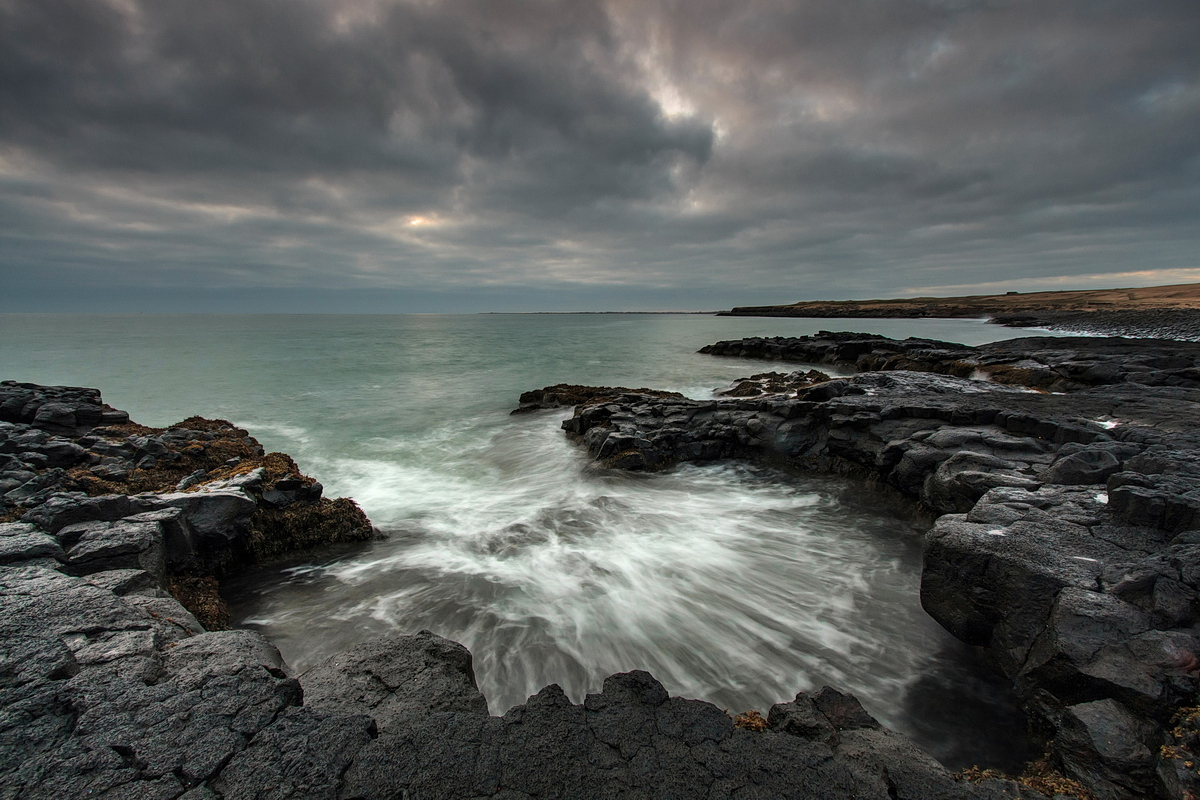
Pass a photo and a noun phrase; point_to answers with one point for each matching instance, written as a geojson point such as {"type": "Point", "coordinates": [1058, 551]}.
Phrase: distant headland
{"type": "Point", "coordinates": [1168, 312]}
{"type": "Point", "coordinates": [1184, 295]}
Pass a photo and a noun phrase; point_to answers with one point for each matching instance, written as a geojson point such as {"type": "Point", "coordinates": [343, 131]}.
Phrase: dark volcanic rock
{"type": "Point", "coordinates": [564, 395]}
{"type": "Point", "coordinates": [56, 409]}
{"type": "Point", "coordinates": [774, 383]}
{"type": "Point", "coordinates": [1068, 548]}
{"type": "Point", "coordinates": [634, 740]}
{"type": "Point", "coordinates": [396, 680]}
{"type": "Point", "coordinates": [1051, 364]}
{"type": "Point", "coordinates": [101, 695]}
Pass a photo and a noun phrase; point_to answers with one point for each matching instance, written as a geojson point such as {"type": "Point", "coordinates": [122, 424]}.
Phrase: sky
{"type": "Point", "coordinates": [542, 155]}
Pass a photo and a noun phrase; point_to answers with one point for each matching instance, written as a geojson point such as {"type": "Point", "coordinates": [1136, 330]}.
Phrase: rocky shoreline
{"type": "Point", "coordinates": [1180, 324]}
{"type": "Point", "coordinates": [111, 687]}
{"type": "Point", "coordinates": [1067, 546]}
{"type": "Point", "coordinates": [1068, 541]}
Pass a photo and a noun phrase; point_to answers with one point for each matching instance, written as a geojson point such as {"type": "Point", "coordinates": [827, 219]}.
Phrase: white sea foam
{"type": "Point", "coordinates": [727, 583]}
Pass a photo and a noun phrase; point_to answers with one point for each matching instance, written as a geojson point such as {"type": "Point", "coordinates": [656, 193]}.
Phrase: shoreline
{"type": "Point", "coordinates": [112, 687]}
{"type": "Point", "coordinates": [1159, 312]}
{"type": "Point", "coordinates": [100, 635]}
{"type": "Point", "coordinates": [1052, 506]}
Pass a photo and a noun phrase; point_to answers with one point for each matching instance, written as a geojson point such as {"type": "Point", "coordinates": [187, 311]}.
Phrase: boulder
{"type": "Point", "coordinates": [396, 679]}
{"type": "Point", "coordinates": [20, 541]}
{"type": "Point", "coordinates": [125, 544]}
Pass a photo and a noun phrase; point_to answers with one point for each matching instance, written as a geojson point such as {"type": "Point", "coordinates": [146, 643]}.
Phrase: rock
{"type": "Point", "coordinates": [303, 754]}
{"type": "Point", "coordinates": [1096, 644]}
{"type": "Point", "coordinates": [1068, 555]}
{"type": "Point", "coordinates": [960, 480]}
{"type": "Point", "coordinates": [802, 718]}
{"type": "Point", "coordinates": [1053, 364]}
{"type": "Point", "coordinates": [768, 383]}
{"type": "Point", "coordinates": [1087, 466]}
{"type": "Point", "coordinates": [395, 680]}
{"type": "Point", "coordinates": [190, 480]}
{"type": "Point", "coordinates": [125, 581]}
{"type": "Point", "coordinates": [222, 653]}
{"type": "Point", "coordinates": [21, 541]}
{"type": "Point", "coordinates": [98, 683]}
{"type": "Point", "coordinates": [564, 395]}
{"type": "Point", "coordinates": [125, 544]}
{"type": "Point", "coordinates": [1103, 744]}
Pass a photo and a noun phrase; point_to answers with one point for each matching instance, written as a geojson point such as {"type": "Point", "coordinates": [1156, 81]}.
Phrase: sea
{"type": "Point", "coordinates": [732, 583]}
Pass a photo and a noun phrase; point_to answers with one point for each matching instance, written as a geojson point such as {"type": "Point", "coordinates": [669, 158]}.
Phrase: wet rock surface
{"type": "Point", "coordinates": [566, 395]}
{"type": "Point", "coordinates": [765, 383]}
{"type": "Point", "coordinates": [109, 687]}
{"type": "Point", "coordinates": [1068, 541]}
{"type": "Point", "coordinates": [98, 484]}
{"type": "Point", "coordinates": [1048, 363]}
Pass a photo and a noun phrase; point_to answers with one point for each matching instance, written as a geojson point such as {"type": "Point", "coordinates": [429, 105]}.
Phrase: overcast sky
{"type": "Point", "coordinates": [467, 155]}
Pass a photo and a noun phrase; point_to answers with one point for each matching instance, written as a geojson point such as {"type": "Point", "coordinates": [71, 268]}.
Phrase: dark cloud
{"type": "Point", "coordinates": [621, 151]}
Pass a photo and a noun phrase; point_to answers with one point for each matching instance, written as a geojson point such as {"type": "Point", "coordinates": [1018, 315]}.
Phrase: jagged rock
{"type": "Point", "coordinates": [126, 581]}
{"type": "Point", "coordinates": [106, 693]}
{"type": "Point", "coordinates": [1084, 592]}
{"type": "Point", "coordinates": [396, 679]}
{"type": "Point", "coordinates": [1102, 740]}
{"type": "Point", "coordinates": [68, 409]}
{"type": "Point", "coordinates": [21, 542]}
{"type": "Point", "coordinates": [774, 383]}
{"type": "Point", "coordinates": [630, 740]}
{"type": "Point", "coordinates": [304, 753]}
{"type": "Point", "coordinates": [125, 544]}
{"type": "Point", "coordinates": [1076, 466]}
{"type": "Point", "coordinates": [1053, 364]}
{"type": "Point", "coordinates": [565, 395]}
{"type": "Point", "coordinates": [960, 480]}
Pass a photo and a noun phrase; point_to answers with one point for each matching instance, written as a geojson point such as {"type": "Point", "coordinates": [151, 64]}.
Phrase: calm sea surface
{"type": "Point", "coordinates": [733, 584]}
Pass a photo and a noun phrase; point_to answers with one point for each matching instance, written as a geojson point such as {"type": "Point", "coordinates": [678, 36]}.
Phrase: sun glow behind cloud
{"type": "Point", "coordinates": [750, 149]}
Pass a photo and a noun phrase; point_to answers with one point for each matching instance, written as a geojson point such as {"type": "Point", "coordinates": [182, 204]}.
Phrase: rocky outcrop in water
{"type": "Point", "coordinates": [567, 395]}
{"type": "Point", "coordinates": [1068, 543]}
{"type": "Point", "coordinates": [765, 383]}
{"type": "Point", "coordinates": [186, 503]}
{"type": "Point", "coordinates": [1046, 363]}
{"type": "Point", "coordinates": [109, 687]}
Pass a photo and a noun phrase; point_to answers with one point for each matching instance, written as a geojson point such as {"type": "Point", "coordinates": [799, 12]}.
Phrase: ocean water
{"type": "Point", "coordinates": [730, 583]}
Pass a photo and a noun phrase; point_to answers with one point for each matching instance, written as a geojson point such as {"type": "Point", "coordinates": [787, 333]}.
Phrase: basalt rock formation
{"type": "Point", "coordinates": [1068, 541]}
{"type": "Point", "coordinates": [1048, 363]}
{"type": "Point", "coordinates": [566, 395]}
{"type": "Point", "coordinates": [110, 688]}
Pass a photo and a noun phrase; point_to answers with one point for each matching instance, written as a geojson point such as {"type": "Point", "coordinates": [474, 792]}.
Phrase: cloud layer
{"type": "Point", "coordinates": [475, 154]}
